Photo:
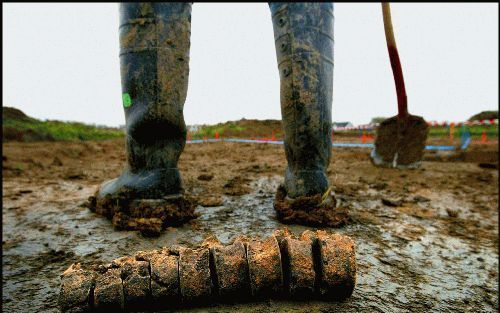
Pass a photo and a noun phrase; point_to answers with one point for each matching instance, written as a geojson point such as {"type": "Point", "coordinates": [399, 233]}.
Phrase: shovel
{"type": "Point", "coordinates": [400, 141]}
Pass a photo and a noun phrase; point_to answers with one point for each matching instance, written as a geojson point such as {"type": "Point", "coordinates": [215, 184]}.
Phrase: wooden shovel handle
{"type": "Point", "coordinates": [397, 72]}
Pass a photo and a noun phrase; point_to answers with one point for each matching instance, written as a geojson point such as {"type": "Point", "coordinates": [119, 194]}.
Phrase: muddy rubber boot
{"type": "Point", "coordinates": [303, 35]}
{"type": "Point", "coordinates": [154, 61]}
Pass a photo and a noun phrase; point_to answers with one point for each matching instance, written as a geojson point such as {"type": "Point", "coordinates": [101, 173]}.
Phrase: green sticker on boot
{"type": "Point", "coordinates": [127, 101]}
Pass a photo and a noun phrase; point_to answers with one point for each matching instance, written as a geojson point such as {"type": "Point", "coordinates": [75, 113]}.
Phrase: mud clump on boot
{"type": "Point", "coordinates": [317, 210]}
{"type": "Point", "coordinates": [149, 216]}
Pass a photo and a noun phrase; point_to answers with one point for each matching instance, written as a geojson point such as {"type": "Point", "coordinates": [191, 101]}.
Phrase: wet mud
{"type": "Point", "coordinates": [434, 249]}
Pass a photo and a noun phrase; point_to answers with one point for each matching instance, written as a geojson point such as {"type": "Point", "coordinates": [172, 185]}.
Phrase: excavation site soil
{"type": "Point", "coordinates": [426, 239]}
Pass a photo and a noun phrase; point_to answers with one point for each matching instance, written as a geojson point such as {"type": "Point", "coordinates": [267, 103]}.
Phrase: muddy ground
{"type": "Point", "coordinates": [427, 239]}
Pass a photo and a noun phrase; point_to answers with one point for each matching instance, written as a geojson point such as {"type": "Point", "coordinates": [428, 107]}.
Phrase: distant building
{"type": "Point", "coordinates": [193, 128]}
{"type": "Point", "coordinates": [341, 125]}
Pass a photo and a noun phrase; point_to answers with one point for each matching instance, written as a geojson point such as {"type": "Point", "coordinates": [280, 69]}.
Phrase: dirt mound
{"type": "Point", "coordinates": [17, 126]}
{"type": "Point", "coordinates": [244, 128]}
{"type": "Point", "coordinates": [11, 130]}
{"type": "Point", "coordinates": [485, 115]}
{"type": "Point", "coordinates": [9, 113]}
{"type": "Point", "coordinates": [10, 133]}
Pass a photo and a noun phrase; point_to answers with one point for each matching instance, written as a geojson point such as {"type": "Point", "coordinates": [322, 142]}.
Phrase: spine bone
{"type": "Point", "coordinates": [314, 265]}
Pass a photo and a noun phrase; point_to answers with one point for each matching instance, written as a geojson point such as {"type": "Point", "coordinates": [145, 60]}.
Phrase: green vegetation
{"type": "Point", "coordinates": [241, 129]}
{"type": "Point", "coordinates": [223, 130]}
{"type": "Point", "coordinates": [16, 126]}
{"type": "Point", "coordinates": [378, 119]}
{"type": "Point", "coordinates": [437, 131]}
{"type": "Point", "coordinates": [475, 131]}
{"type": "Point", "coordinates": [260, 129]}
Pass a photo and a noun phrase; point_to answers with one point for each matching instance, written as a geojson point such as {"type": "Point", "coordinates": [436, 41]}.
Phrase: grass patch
{"type": "Point", "coordinates": [16, 126]}
{"type": "Point", "coordinates": [209, 131]}
{"type": "Point", "coordinates": [243, 128]}
{"type": "Point", "coordinates": [475, 131]}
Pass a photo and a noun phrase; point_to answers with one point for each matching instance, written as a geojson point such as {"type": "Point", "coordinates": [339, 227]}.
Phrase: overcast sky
{"type": "Point", "coordinates": [61, 61]}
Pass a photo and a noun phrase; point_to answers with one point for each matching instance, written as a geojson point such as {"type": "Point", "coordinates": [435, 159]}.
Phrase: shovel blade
{"type": "Point", "coordinates": [400, 143]}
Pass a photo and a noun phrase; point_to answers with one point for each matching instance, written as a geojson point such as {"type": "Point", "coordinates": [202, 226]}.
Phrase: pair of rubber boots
{"type": "Point", "coordinates": [154, 60]}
